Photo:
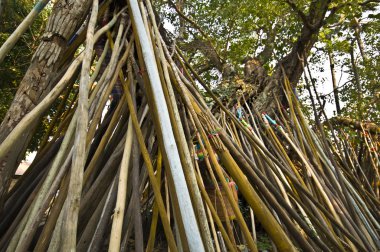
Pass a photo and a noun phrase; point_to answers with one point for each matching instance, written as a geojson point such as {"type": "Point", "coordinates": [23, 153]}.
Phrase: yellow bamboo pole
{"type": "Point", "coordinates": [194, 110]}
{"type": "Point", "coordinates": [153, 226]}
{"type": "Point", "coordinates": [148, 163]}
{"type": "Point", "coordinates": [273, 228]}
{"type": "Point", "coordinates": [118, 216]}
{"type": "Point", "coordinates": [205, 196]}
{"type": "Point", "coordinates": [193, 235]}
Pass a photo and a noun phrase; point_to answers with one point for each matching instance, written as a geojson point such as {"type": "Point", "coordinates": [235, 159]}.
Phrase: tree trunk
{"type": "Point", "coordinates": [359, 39]}
{"type": "Point", "coordinates": [1, 9]}
{"type": "Point", "coordinates": [333, 77]}
{"type": "Point", "coordinates": [41, 76]}
{"type": "Point", "coordinates": [291, 65]}
{"type": "Point", "coordinates": [357, 81]}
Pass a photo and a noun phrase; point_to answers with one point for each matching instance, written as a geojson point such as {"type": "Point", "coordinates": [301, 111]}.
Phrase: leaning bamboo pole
{"type": "Point", "coordinates": [303, 186]}
{"type": "Point", "coordinates": [117, 222]}
{"type": "Point", "coordinates": [69, 232]}
{"type": "Point", "coordinates": [187, 212]}
{"type": "Point", "coordinates": [189, 171]}
{"type": "Point", "coordinates": [25, 24]}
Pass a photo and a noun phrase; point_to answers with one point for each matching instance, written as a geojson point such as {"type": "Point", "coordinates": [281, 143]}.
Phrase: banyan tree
{"type": "Point", "coordinates": [135, 159]}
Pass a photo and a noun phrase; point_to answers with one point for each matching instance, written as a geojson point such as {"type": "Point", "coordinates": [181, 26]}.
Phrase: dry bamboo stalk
{"type": "Point", "coordinates": [148, 163]}
{"type": "Point", "coordinates": [25, 24]}
{"type": "Point", "coordinates": [99, 153]}
{"type": "Point", "coordinates": [40, 108]}
{"type": "Point", "coordinates": [180, 136]}
{"type": "Point", "coordinates": [110, 78]}
{"type": "Point", "coordinates": [210, 218]}
{"type": "Point", "coordinates": [135, 197]}
{"type": "Point", "coordinates": [167, 202]}
{"type": "Point", "coordinates": [195, 164]}
{"type": "Point", "coordinates": [153, 227]}
{"type": "Point", "coordinates": [88, 232]}
{"type": "Point", "coordinates": [285, 182]}
{"type": "Point", "coordinates": [109, 88]}
{"type": "Point", "coordinates": [216, 185]}
{"type": "Point", "coordinates": [14, 230]}
{"type": "Point", "coordinates": [118, 216]}
{"type": "Point", "coordinates": [99, 186]}
{"type": "Point", "coordinates": [55, 243]}
{"type": "Point", "coordinates": [226, 237]}
{"type": "Point", "coordinates": [229, 229]}
{"type": "Point", "coordinates": [193, 108]}
{"type": "Point", "coordinates": [50, 233]}
{"type": "Point", "coordinates": [222, 180]}
{"type": "Point", "coordinates": [187, 212]}
{"type": "Point", "coordinates": [69, 233]}
{"type": "Point", "coordinates": [37, 206]}
{"type": "Point", "coordinates": [26, 237]}
{"type": "Point", "coordinates": [266, 154]}
{"type": "Point", "coordinates": [98, 237]}
{"type": "Point", "coordinates": [280, 242]}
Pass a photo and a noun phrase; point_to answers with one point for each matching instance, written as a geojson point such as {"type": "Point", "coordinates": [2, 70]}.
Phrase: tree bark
{"type": "Point", "coordinates": [356, 81]}
{"type": "Point", "coordinates": [359, 40]}
{"type": "Point", "coordinates": [1, 9]}
{"type": "Point", "coordinates": [41, 76]}
{"type": "Point", "coordinates": [369, 126]}
{"type": "Point", "coordinates": [291, 65]}
{"type": "Point", "coordinates": [333, 77]}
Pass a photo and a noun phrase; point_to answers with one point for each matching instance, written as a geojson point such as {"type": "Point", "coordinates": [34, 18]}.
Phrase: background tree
{"type": "Point", "coordinates": [16, 63]}
{"type": "Point", "coordinates": [46, 66]}
{"type": "Point", "coordinates": [290, 173]}
{"type": "Point", "coordinates": [276, 33]}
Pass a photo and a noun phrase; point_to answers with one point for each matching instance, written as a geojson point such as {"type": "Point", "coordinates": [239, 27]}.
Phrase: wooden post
{"type": "Point", "coordinates": [185, 206]}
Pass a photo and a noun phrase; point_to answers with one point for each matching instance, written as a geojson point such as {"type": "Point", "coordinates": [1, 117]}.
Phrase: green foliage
{"type": "Point", "coordinates": [237, 29]}
{"type": "Point", "coordinates": [338, 36]}
{"type": "Point", "coordinates": [242, 28]}
{"type": "Point", "coordinates": [14, 66]}
{"type": "Point", "coordinates": [16, 63]}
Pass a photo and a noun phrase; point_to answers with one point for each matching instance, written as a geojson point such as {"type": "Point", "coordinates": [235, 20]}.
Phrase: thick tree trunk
{"type": "Point", "coordinates": [291, 65]}
{"type": "Point", "coordinates": [42, 74]}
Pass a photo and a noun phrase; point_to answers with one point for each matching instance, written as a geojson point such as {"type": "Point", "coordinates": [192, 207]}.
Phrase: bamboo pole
{"type": "Point", "coordinates": [187, 212]}
{"type": "Point", "coordinates": [153, 227]}
{"type": "Point", "coordinates": [118, 216]}
{"type": "Point", "coordinates": [40, 108]}
{"type": "Point", "coordinates": [96, 241]}
{"type": "Point", "coordinates": [298, 175]}
{"type": "Point", "coordinates": [25, 24]}
{"type": "Point", "coordinates": [135, 197]}
{"type": "Point", "coordinates": [148, 163]}
{"type": "Point", "coordinates": [79, 158]}
{"type": "Point", "coordinates": [180, 136]}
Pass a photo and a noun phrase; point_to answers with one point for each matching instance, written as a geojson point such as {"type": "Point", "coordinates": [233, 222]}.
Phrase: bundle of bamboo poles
{"type": "Point", "coordinates": [112, 176]}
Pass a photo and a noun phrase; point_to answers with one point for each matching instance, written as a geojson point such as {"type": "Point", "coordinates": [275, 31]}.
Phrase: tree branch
{"type": "Point", "coordinates": [196, 26]}
{"type": "Point", "coordinates": [206, 48]}
{"type": "Point", "coordinates": [369, 1]}
{"type": "Point", "coordinates": [369, 126]}
{"type": "Point", "coordinates": [333, 10]}
{"type": "Point", "coordinates": [265, 55]}
{"type": "Point", "coordinates": [300, 13]}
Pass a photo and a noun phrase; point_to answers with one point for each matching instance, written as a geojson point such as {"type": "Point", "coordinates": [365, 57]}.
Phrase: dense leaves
{"type": "Point", "coordinates": [14, 66]}
{"type": "Point", "coordinates": [268, 30]}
